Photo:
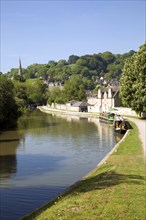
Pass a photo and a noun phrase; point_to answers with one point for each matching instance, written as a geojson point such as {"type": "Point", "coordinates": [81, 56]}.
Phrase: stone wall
{"type": "Point", "coordinates": [58, 106]}
{"type": "Point", "coordinates": [64, 107]}
{"type": "Point", "coordinates": [125, 111]}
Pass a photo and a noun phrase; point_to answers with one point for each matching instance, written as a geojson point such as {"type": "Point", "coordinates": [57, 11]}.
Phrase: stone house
{"type": "Point", "coordinates": [52, 85]}
{"type": "Point", "coordinates": [105, 100]}
{"type": "Point", "coordinates": [77, 106]}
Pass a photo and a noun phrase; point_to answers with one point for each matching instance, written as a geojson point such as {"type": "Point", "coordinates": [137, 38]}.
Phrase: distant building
{"type": "Point", "coordinates": [105, 100]}
{"type": "Point", "coordinates": [20, 72]}
{"type": "Point", "coordinates": [56, 84]}
{"type": "Point", "coordinates": [77, 106]}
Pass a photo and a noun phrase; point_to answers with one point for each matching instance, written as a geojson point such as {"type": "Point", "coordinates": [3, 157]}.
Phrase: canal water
{"type": "Point", "coordinates": [46, 154]}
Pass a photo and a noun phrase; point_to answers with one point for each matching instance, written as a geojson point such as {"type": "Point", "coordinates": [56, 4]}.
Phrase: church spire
{"type": "Point", "coordinates": [20, 68]}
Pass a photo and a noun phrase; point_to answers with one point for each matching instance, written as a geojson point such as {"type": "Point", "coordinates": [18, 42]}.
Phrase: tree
{"type": "Point", "coordinates": [36, 70]}
{"type": "Point", "coordinates": [133, 81]}
{"type": "Point", "coordinates": [114, 71]}
{"type": "Point", "coordinates": [42, 71]}
{"type": "Point", "coordinates": [52, 63]}
{"type": "Point", "coordinates": [8, 107]}
{"type": "Point", "coordinates": [56, 96]}
{"type": "Point", "coordinates": [108, 57]}
{"type": "Point", "coordinates": [72, 59]}
{"type": "Point", "coordinates": [20, 95]}
{"type": "Point", "coordinates": [88, 84]}
{"type": "Point", "coordinates": [36, 92]}
{"type": "Point", "coordinates": [74, 89]}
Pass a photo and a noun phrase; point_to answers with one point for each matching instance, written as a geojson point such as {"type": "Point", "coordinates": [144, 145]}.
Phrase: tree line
{"type": "Point", "coordinates": [91, 67]}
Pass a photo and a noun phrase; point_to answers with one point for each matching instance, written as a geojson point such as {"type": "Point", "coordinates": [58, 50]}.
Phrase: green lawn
{"type": "Point", "coordinates": [116, 190]}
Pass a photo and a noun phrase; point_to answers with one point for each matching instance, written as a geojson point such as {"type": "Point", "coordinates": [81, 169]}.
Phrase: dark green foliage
{"type": "Point", "coordinates": [20, 95]}
{"type": "Point", "coordinates": [36, 92]}
{"type": "Point", "coordinates": [36, 71]}
{"type": "Point", "coordinates": [56, 96]}
{"type": "Point", "coordinates": [8, 107]}
{"type": "Point", "coordinates": [75, 89]}
{"type": "Point", "coordinates": [72, 59]}
{"type": "Point", "coordinates": [108, 57]}
{"type": "Point", "coordinates": [32, 91]}
{"type": "Point", "coordinates": [133, 81]}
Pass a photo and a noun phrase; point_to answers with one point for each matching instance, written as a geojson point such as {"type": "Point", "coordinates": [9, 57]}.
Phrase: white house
{"type": "Point", "coordinates": [105, 100]}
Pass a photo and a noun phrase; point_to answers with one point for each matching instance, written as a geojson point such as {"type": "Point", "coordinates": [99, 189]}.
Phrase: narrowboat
{"type": "Point", "coordinates": [106, 117]}
{"type": "Point", "coordinates": [119, 124]}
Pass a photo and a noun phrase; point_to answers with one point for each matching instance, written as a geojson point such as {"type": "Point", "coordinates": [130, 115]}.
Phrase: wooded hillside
{"type": "Point", "coordinates": [89, 67]}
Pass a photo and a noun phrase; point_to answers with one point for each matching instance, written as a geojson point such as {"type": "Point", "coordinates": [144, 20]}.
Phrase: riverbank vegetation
{"type": "Point", "coordinates": [115, 190]}
{"type": "Point", "coordinates": [8, 107]}
{"type": "Point", "coordinates": [17, 96]}
{"type": "Point", "coordinates": [32, 92]}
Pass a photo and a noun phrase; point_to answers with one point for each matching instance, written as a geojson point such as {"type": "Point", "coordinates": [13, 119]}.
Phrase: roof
{"type": "Point", "coordinates": [113, 88]}
{"type": "Point", "coordinates": [80, 104]}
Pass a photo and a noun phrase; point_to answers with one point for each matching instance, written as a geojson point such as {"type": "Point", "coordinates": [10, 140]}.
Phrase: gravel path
{"type": "Point", "coordinates": [141, 124]}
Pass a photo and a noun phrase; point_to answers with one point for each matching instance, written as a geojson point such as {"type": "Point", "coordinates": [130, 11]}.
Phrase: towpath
{"type": "Point", "coordinates": [141, 124]}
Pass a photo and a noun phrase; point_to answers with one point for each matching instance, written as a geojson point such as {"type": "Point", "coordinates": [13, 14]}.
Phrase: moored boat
{"type": "Point", "coordinates": [119, 124]}
{"type": "Point", "coordinates": [107, 117]}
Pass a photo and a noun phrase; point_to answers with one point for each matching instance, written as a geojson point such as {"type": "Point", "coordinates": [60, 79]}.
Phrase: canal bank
{"type": "Point", "coordinates": [47, 109]}
{"type": "Point", "coordinates": [115, 189]}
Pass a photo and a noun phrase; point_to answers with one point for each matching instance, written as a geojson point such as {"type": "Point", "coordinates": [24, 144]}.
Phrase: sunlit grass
{"type": "Point", "coordinates": [116, 190]}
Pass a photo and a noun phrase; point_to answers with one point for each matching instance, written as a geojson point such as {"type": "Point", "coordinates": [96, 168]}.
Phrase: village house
{"type": "Point", "coordinates": [56, 84]}
{"type": "Point", "coordinates": [77, 106]}
{"type": "Point", "coordinates": [105, 100]}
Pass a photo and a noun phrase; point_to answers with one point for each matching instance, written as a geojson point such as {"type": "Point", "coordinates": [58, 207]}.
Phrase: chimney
{"type": "Point", "coordinates": [99, 93]}
{"type": "Point", "coordinates": [109, 93]}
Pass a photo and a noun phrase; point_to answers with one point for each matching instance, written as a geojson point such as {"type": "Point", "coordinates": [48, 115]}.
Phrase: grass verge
{"type": "Point", "coordinates": [114, 191]}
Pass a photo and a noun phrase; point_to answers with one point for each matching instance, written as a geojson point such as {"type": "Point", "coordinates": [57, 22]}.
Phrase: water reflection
{"type": "Point", "coordinates": [8, 166]}
{"type": "Point", "coordinates": [9, 141]}
{"type": "Point", "coordinates": [35, 120]}
{"type": "Point", "coordinates": [105, 130]}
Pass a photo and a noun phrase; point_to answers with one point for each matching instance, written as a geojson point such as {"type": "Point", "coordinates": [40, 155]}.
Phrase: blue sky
{"type": "Point", "coordinates": [39, 31]}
